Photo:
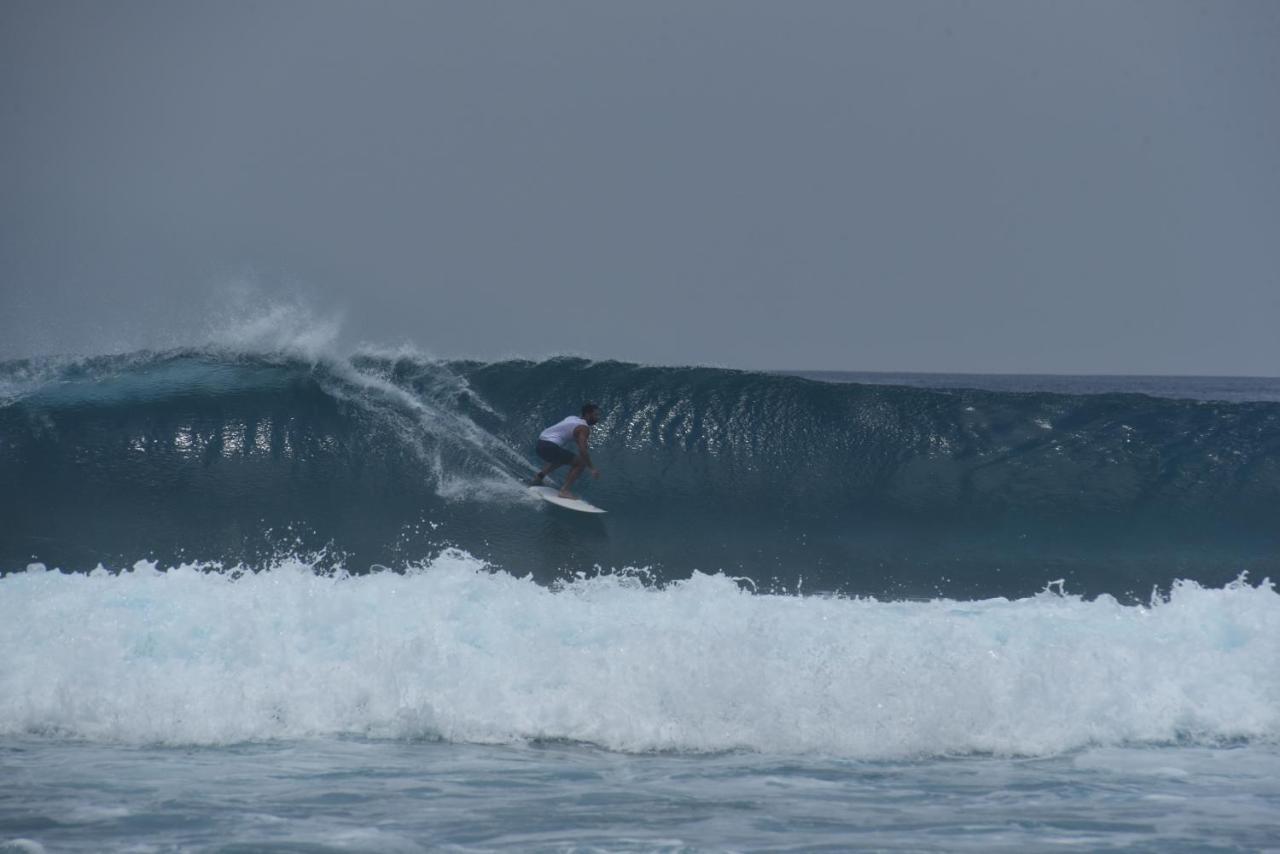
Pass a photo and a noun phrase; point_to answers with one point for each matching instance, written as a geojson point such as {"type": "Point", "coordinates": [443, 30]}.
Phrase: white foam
{"type": "Point", "coordinates": [452, 651]}
{"type": "Point", "coordinates": [424, 418]}
{"type": "Point", "coordinates": [21, 846]}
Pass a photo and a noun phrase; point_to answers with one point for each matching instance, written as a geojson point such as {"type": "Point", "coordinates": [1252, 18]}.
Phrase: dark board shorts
{"type": "Point", "coordinates": [553, 453]}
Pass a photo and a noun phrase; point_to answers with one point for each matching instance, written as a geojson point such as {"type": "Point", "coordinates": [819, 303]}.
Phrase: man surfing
{"type": "Point", "coordinates": [558, 442]}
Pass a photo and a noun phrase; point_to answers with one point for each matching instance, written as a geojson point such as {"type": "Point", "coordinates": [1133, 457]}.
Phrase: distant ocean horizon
{"type": "Point", "coordinates": [1193, 387]}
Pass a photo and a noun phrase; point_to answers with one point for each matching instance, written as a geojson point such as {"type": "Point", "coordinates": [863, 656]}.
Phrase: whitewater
{"type": "Point", "coordinates": [277, 600]}
{"type": "Point", "coordinates": [457, 652]}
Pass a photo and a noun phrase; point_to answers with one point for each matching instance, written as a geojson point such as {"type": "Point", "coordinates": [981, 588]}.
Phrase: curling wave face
{"type": "Point", "coordinates": [377, 460]}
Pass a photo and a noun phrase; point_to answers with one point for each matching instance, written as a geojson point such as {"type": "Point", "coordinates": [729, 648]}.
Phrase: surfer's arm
{"type": "Point", "coordinates": [581, 435]}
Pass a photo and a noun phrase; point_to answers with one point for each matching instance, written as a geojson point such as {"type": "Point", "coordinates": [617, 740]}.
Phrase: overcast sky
{"type": "Point", "coordinates": [1073, 187]}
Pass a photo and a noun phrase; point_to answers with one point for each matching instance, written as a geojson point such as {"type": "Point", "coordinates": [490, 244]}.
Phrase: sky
{"type": "Point", "coordinates": [990, 187]}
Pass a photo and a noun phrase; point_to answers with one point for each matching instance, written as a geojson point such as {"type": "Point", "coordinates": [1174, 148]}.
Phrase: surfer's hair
{"type": "Point", "coordinates": [588, 408]}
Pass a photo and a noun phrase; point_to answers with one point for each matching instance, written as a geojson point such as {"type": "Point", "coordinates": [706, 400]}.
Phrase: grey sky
{"type": "Point", "coordinates": [944, 186]}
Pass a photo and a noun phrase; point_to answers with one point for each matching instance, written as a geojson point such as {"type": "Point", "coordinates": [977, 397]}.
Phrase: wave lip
{"type": "Point", "coordinates": [455, 652]}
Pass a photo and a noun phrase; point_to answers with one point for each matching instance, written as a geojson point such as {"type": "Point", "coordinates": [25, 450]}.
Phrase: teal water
{"type": "Point", "coordinates": [866, 489]}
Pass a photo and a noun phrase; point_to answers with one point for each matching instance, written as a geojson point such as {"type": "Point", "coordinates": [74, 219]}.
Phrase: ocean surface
{"type": "Point", "coordinates": [259, 599]}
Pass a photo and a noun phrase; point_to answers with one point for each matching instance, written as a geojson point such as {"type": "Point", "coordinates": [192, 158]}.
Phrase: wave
{"type": "Point", "coordinates": [376, 460]}
{"type": "Point", "coordinates": [452, 650]}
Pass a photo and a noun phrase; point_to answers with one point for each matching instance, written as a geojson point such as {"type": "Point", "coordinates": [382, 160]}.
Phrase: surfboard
{"type": "Point", "coordinates": [552, 495]}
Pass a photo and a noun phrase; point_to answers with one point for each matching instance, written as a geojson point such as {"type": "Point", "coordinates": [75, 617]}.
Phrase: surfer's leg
{"type": "Point", "coordinates": [578, 466]}
{"type": "Point", "coordinates": [554, 456]}
{"type": "Point", "coordinates": [542, 475]}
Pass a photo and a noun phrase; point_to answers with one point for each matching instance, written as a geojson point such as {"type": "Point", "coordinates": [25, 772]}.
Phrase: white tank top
{"type": "Point", "coordinates": [562, 433]}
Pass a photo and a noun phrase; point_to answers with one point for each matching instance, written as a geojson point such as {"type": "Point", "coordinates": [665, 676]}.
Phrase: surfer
{"type": "Point", "coordinates": [558, 442]}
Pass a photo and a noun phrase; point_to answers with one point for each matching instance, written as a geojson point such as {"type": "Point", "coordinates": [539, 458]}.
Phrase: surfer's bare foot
{"type": "Point", "coordinates": [564, 493]}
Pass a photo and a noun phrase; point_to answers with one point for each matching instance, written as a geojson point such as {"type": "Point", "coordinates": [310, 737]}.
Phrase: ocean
{"type": "Point", "coordinates": [257, 600]}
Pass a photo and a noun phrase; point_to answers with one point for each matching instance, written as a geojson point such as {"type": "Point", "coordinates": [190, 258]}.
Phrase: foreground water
{"type": "Point", "coordinates": [455, 706]}
{"type": "Point", "coordinates": [410, 796]}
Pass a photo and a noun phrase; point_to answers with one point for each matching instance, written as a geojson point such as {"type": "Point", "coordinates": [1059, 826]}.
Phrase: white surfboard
{"type": "Point", "coordinates": [551, 494]}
